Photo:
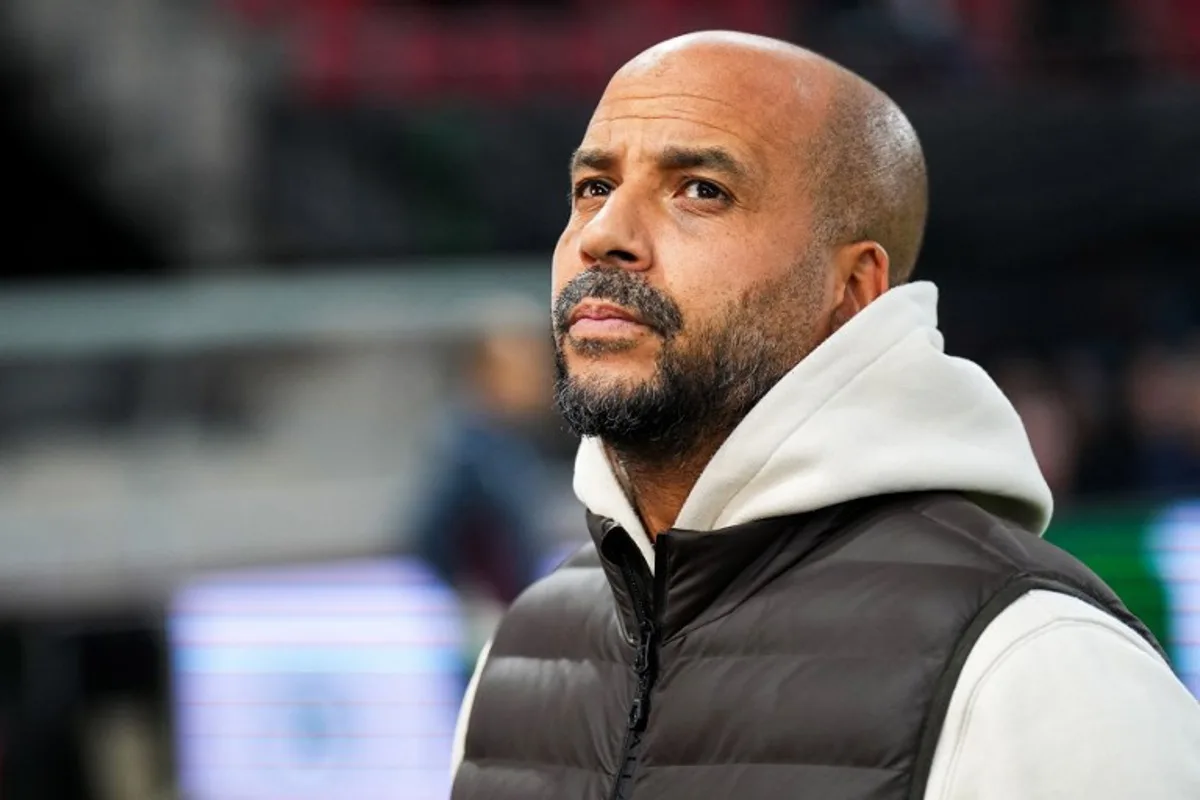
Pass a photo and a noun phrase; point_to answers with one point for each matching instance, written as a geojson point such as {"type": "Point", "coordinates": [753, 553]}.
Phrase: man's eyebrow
{"type": "Point", "coordinates": [717, 159]}
{"type": "Point", "coordinates": [592, 158]}
{"type": "Point", "coordinates": [673, 158]}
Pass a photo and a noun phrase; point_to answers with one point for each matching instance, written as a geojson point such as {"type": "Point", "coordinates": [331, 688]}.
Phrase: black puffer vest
{"type": "Point", "coordinates": [801, 657]}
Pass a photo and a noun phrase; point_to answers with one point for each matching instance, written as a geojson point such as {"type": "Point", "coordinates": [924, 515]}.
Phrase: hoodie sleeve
{"type": "Point", "coordinates": [1058, 699]}
{"type": "Point", "coordinates": [464, 712]}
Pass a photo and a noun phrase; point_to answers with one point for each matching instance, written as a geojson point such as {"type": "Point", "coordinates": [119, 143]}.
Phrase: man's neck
{"type": "Point", "coordinates": [658, 487]}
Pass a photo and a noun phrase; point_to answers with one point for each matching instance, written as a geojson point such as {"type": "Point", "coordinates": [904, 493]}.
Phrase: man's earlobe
{"type": "Point", "coordinates": [864, 274]}
{"type": "Point", "coordinates": [868, 277]}
{"type": "Point", "coordinates": [843, 312]}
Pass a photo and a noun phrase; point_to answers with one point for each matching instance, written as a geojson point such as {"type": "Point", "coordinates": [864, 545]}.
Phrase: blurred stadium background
{"type": "Point", "coordinates": [274, 443]}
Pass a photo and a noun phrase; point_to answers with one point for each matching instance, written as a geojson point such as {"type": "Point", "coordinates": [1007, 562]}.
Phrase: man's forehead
{"type": "Point", "coordinates": [647, 117]}
{"type": "Point", "coordinates": [643, 129]}
{"type": "Point", "coordinates": [771, 105]}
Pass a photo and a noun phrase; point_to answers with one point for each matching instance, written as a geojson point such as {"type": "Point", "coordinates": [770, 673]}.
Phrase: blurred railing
{"type": "Point", "coordinates": [338, 304]}
{"type": "Point", "coordinates": [147, 432]}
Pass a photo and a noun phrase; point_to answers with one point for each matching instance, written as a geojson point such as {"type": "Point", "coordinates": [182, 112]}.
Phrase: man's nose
{"type": "Point", "coordinates": [616, 236]}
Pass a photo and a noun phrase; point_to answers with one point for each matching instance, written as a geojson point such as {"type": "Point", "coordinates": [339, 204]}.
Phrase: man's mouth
{"type": "Point", "coordinates": [598, 318]}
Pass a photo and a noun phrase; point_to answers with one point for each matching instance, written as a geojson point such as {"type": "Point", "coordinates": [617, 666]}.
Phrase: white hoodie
{"type": "Point", "coordinates": [1057, 699]}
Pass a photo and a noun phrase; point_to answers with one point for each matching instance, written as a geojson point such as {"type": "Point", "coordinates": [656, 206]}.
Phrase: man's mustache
{"type": "Point", "coordinates": [619, 286]}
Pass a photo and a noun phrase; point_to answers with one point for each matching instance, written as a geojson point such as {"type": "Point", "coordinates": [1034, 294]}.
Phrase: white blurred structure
{"type": "Point", "coordinates": [343, 374]}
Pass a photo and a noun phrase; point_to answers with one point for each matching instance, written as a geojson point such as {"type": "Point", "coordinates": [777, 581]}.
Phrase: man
{"type": "Point", "coordinates": [816, 570]}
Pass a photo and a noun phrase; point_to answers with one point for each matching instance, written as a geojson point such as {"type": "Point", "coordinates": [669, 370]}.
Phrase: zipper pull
{"type": "Point", "coordinates": [638, 713]}
{"type": "Point", "coordinates": [641, 661]}
{"type": "Point", "coordinates": [640, 709]}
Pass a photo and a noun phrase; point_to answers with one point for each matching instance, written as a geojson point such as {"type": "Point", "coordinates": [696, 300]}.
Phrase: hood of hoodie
{"type": "Point", "coordinates": [878, 408]}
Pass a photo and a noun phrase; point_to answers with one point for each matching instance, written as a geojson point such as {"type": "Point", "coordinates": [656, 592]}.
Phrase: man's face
{"type": "Point", "coordinates": [686, 282]}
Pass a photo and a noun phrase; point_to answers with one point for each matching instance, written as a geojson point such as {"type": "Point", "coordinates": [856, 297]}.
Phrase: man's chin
{"type": "Point", "coordinates": [604, 405]}
{"type": "Point", "coordinates": [620, 372]}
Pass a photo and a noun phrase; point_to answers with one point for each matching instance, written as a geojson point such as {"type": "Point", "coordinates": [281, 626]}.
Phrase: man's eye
{"type": "Point", "coordinates": [704, 190]}
{"type": "Point", "coordinates": [590, 188]}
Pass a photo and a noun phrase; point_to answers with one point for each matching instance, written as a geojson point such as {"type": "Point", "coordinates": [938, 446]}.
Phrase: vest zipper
{"type": "Point", "coordinates": [644, 675]}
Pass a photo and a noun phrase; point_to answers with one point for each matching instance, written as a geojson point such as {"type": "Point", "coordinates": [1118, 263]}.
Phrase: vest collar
{"type": "Point", "coordinates": [703, 575]}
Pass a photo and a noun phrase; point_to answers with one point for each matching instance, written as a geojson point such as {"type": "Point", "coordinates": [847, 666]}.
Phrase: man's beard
{"type": "Point", "coordinates": [702, 387]}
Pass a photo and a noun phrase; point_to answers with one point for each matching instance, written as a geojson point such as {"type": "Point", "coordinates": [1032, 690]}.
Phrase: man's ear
{"type": "Point", "coordinates": [861, 276]}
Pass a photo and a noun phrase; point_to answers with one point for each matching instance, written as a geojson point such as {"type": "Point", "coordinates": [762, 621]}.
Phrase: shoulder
{"type": "Point", "coordinates": [563, 609]}
{"type": "Point", "coordinates": [579, 574]}
{"type": "Point", "coordinates": [947, 516]}
{"type": "Point", "coordinates": [933, 517]}
{"type": "Point", "coordinates": [947, 529]}
{"type": "Point", "coordinates": [1059, 699]}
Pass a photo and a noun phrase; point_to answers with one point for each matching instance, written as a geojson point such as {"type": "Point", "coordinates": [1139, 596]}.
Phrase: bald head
{"type": "Point", "coordinates": [869, 180]}
{"type": "Point", "coordinates": [862, 161]}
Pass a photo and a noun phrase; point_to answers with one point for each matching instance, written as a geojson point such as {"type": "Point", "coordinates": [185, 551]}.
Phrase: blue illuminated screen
{"type": "Point", "coordinates": [338, 681]}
